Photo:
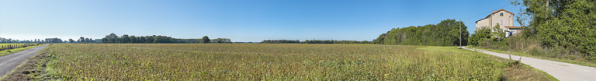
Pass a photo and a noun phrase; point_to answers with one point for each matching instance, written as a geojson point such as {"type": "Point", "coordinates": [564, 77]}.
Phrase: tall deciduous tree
{"type": "Point", "coordinates": [125, 39]}
{"type": "Point", "coordinates": [82, 40]}
{"type": "Point", "coordinates": [445, 33]}
{"type": "Point", "coordinates": [112, 38]}
{"type": "Point", "coordinates": [133, 39]}
{"type": "Point", "coordinates": [206, 39]}
{"type": "Point", "coordinates": [87, 40]}
{"type": "Point", "coordinates": [480, 35]}
{"type": "Point", "coordinates": [565, 24]}
{"type": "Point", "coordinates": [70, 40]}
{"type": "Point", "coordinates": [497, 32]}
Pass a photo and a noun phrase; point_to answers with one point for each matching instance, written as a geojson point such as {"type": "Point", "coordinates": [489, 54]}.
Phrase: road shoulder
{"type": "Point", "coordinates": [560, 70]}
{"type": "Point", "coordinates": [28, 66]}
{"type": "Point", "coordinates": [578, 62]}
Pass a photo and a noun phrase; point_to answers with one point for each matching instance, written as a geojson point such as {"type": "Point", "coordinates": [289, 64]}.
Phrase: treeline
{"type": "Point", "coordinates": [113, 38]}
{"type": "Point", "coordinates": [14, 46]}
{"type": "Point", "coordinates": [83, 40]}
{"type": "Point", "coordinates": [445, 33]}
{"type": "Point", "coordinates": [280, 41]}
{"type": "Point", "coordinates": [53, 40]}
{"type": "Point", "coordinates": [318, 41]}
{"type": "Point", "coordinates": [221, 40]}
{"type": "Point", "coordinates": [336, 42]}
{"type": "Point", "coordinates": [554, 28]}
{"type": "Point", "coordinates": [47, 40]}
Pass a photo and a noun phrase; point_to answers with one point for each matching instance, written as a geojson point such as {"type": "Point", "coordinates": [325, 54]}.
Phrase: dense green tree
{"type": "Point", "coordinates": [105, 40]}
{"type": "Point", "coordinates": [111, 38]}
{"type": "Point", "coordinates": [497, 32]}
{"type": "Point", "coordinates": [133, 39]}
{"type": "Point", "coordinates": [70, 40]}
{"type": "Point", "coordinates": [280, 41]}
{"type": "Point", "coordinates": [125, 39]}
{"type": "Point", "coordinates": [149, 39]}
{"type": "Point", "coordinates": [49, 40]}
{"type": "Point", "coordinates": [142, 39]}
{"type": "Point", "coordinates": [206, 39]}
{"type": "Point", "coordinates": [380, 39]}
{"type": "Point", "coordinates": [445, 33]}
{"type": "Point", "coordinates": [221, 40]}
{"type": "Point", "coordinates": [81, 40]}
{"type": "Point", "coordinates": [87, 40]}
{"type": "Point", "coordinates": [568, 24]}
{"type": "Point", "coordinates": [153, 39]}
{"type": "Point", "coordinates": [479, 35]}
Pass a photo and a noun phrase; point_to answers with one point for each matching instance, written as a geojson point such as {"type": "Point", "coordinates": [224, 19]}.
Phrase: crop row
{"type": "Point", "coordinates": [16, 45]}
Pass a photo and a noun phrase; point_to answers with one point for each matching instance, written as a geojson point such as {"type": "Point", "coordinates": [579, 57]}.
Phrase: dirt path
{"type": "Point", "coordinates": [560, 70]}
{"type": "Point", "coordinates": [9, 62]}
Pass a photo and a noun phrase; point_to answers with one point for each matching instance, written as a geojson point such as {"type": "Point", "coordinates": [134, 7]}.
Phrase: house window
{"type": "Point", "coordinates": [501, 14]}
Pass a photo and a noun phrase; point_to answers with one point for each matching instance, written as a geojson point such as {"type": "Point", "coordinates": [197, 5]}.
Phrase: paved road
{"type": "Point", "coordinates": [560, 70]}
{"type": "Point", "coordinates": [9, 62]}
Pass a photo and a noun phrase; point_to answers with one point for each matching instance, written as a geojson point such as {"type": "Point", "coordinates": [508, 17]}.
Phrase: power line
{"type": "Point", "coordinates": [484, 13]}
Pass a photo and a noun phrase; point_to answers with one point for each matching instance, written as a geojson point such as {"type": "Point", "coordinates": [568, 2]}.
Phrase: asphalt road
{"type": "Point", "coordinates": [560, 70]}
{"type": "Point", "coordinates": [11, 61]}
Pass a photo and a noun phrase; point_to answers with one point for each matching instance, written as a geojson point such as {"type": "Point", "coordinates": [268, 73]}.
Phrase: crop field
{"type": "Point", "coordinates": [5, 46]}
{"type": "Point", "coordinates": [9, 48]}
{"type": "Point", "coordinates": [269, 62]}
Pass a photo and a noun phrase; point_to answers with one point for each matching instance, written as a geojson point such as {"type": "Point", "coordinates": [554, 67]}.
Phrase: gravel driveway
{"type": "Point", "coordinates": [9, 62]}
{"type": "Point", "coordinates": [560, 70]}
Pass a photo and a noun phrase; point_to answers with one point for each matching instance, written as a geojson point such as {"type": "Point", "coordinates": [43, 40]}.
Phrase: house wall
{"type": "Point", "coordinates": [483, 23]}
{"type": "Point", "coordinates": [505, 20]}
{"type": "Point", "coordinates": [494, 19]}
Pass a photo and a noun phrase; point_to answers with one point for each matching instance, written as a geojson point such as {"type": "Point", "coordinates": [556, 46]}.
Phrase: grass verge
{"type": "Point", "coordinates": [10, 51]}
{"type": "Point", "coordinates": [24, 70]}
{"type": "Point", "coordinates": [578, 62]}
{"type": "Point", "coordinates": [514, 70]}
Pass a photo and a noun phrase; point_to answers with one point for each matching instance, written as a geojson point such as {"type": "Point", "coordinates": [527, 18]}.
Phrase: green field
{"type": "Point", "coordinates": [4, 50]}
{"type": "Point", "coordinates": [276, 62]}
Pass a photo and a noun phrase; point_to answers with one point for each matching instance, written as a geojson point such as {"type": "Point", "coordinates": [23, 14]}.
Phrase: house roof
{"type": "Point", "coordinates": [495, 12]}
{"type": "Point", "coordinates": [499, 11]}
{"type": "Point", "coordinates": [512, 27]}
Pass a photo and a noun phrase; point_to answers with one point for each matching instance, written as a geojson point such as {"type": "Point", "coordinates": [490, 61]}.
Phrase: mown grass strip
{"type": "Point", "coordinates": [578, 62]}
{"type": "Point", "coordinates": [514, 71]}
{"type": "Point", "coordinates": [10, 51]}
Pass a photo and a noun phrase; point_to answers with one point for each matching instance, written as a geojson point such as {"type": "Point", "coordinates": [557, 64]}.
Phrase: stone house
{"type": "Point", "coordinates": [502, 17]}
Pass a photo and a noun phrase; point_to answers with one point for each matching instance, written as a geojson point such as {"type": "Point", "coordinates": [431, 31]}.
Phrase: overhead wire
{"type": "Point", "coordinates": [484, 13]}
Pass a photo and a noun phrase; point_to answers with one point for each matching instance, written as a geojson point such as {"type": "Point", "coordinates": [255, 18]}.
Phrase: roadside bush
{"type": "Point", "coordinates": [535, 51]}
{"type": "Point", "coordinates": [479, 37]}
{"type": "Point", "coordinates": [529, 45]}
{"type": "Point", "coordinates": [494, 43]}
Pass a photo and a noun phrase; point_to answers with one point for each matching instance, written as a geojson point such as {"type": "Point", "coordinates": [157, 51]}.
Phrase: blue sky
{"type": "Point", "coordinates": [239, 20]}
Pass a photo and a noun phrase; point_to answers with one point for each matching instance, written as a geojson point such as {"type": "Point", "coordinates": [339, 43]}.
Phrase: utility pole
{"type": "Point", "coordinates": [460, 33]}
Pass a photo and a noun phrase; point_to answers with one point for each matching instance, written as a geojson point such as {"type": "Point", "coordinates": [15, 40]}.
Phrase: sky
{"type": "Point", "coordinates": [239, 20]}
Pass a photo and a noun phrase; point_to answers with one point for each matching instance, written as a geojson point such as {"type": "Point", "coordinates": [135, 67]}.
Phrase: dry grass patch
{"type": "Point", "coordinates": [521, 72]}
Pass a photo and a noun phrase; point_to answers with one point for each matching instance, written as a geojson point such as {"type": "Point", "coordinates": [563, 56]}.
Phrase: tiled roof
{"type": "Point", "coordinates": [495, 13]}
{"type": "Point", "coordinates": [499, 11]}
